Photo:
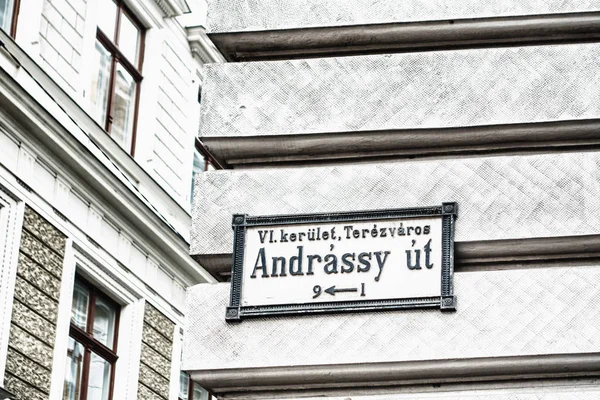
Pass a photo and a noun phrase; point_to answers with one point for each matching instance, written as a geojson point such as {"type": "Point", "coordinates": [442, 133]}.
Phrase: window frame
{"type": "Point", "coordinates": [191, 385]}
{"type": "Point", "coordinates": [210, 160]}
{"type": "Point", "coordinates": [200, 149]}
{"type": "Point", "coordinates": [111, 45]}
{"type": "Point", "coordinates": [91, 345]}
{"type": "Point", "coordinates": [14, 18]}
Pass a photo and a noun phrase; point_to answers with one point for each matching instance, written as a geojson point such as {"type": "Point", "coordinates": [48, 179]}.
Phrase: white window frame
{"type": "Point", "coordinates": [11, 224]}
{"type": "Point", "coordinates": [129, 344]}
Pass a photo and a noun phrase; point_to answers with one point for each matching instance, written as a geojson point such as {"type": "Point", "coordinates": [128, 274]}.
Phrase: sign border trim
{"type": "Point", "coordinates": [448, 211]}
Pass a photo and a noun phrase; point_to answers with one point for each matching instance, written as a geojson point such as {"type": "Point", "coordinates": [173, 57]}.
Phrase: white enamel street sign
{"type": "Point", "coordinates": [297, 264]}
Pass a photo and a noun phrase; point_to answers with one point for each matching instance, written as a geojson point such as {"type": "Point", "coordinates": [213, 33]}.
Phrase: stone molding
{"type": "Point", "coordinates": [337, 41]}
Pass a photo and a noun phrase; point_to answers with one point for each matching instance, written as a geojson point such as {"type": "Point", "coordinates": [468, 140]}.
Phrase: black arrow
{"type": "Point", "coordinates": [332, 290]}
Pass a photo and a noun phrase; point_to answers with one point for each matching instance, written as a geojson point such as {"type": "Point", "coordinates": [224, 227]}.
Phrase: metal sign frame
{"type": "Point", "coordinates": [446, 302]}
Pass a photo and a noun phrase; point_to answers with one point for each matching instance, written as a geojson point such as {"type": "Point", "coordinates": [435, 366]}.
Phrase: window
{"type": "Point", "coordinates": [9, 10]}
{"type": "Point", "coordinates": [202, 162]}
{"type": "Point", "coordinates": [91, 353]}
{"type": "Point", "coordinates": [115, 87]}
{"type": "Point", "coordinates": [189, 390]}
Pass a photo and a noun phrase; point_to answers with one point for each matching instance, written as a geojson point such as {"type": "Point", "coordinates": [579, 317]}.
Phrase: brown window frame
{"type": "Point", "coordinates": [207, 156]}
{"type": "Point", "coordinates": [191, 384]}
{"type": "Point", "coordinates": [91, 345]}
{"type": "Point", "coordinates": [14, 18]}
{"type": "Point", "coordinates": [112, 46]}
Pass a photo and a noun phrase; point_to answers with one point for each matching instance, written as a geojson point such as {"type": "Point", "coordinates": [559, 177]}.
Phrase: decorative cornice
{"type": "Point", "coordinates": [173, 8]}
{"type": "Point", "coordinates": [203, 49]}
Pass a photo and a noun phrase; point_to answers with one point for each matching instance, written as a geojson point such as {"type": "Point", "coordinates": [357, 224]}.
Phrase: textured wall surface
{"type": "Point", "coordinates": [35, 308]}
{"type": "Point", "coordinates": [418, 90]}
{"type": "Point", "coordinates": [157, 346]}
{"type": "Point", "coordinates": [574, 391]}
{"type": "Point", "coordinates": [61, 40]}
{"type": "Point", "coordinates": [255, 15]}
{"type": "Point", "coordinates": [505, 197]}
{"type": "Point", "coordinates": [499, 313]}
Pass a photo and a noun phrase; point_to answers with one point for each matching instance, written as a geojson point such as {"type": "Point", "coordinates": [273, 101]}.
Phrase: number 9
{"type": "Point", "coordinates": [316, 291]}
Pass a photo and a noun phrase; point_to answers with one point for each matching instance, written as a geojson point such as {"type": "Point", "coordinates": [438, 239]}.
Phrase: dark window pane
{"type": "Point", "coordinates": [123, 108]}
{"type": "Point", "coordinates": [198, 167]}
{"type": "Point", "coordinates": [199, 393]}
{"type": "Point", "coordinates": [107, 17]}
{"type": "Point", "coordinates": [99, 379]}
{"type": "Point", "coordinates": [105, 315]}
{"type": "Point", "coordinates": [80, 306]}
{"type": "Point", "coordinates": [184, 384]}
{"type": "Point", "coordinates": [99, 86]}
{"type": "Point", "coordinates": [6, 12]}
{"type": "Point", "coordinates": [129, 39]}
{"type": "Point", "coordinates": [74, 368]}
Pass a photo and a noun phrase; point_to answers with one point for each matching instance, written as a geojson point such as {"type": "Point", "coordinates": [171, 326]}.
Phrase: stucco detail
{"type": "Point", "coordinates": [146, 394]}
{"type": "Point", "coordinates": [402, 91]}
{"type": "Point", "coordinates": [158, 362]}
{"type": "Point", "coordinates": [257, 15]}
{"type": "Point", "coordinates": [22, 389]}
{"type": "Point", "coordinates": [34, 312]}
{"type": "Point", "coordinates": [158, 342]}
{"type": "Point", "coordinates": [39, 228]}
{"type": "Point", "coordinates": [35, 349]}
{"type": "Point", "coordinates": [32, 323]}
{"type": "Point", "coordinates": [509, 197]}
{"type": "Point", "coordinates": [38, 276]}
{"type": "Point", "coordinates": [157, 348]}
{"type": "Point", "coordinates": [35, 299]}
{"type": "Point", "coordinates": [28, 370]}
{"type": "Point", "coordinates": [499, 313]}
{"type": "Point", "coordinates": [154, 381]}
{"type": "Point", "coordinates": [41, 254]}
{"type": "Point", "coordinates": [158, 321]}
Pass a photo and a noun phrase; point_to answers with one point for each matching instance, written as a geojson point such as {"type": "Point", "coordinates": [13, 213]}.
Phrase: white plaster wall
{"type": "Point", "coordinates": [168, 113]}
{"type": "Point", "coordinates": [61, 39]}
{"type": "Point", "coordinates": [104, 226]}
{"type": "Point", "coordinates": [176, 119]}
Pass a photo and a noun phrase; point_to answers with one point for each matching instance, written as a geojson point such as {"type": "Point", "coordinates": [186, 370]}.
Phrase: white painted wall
{"type": "Point", "coordinates": [85, 211]}
{"type": "Point", "coordinates": [62, 42]}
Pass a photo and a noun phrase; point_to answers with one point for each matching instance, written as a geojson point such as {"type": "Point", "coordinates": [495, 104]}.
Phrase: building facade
{"type": "Point", "coordinates": [98, 120]}
{"type": "Point", "coordinates": [352, 105]}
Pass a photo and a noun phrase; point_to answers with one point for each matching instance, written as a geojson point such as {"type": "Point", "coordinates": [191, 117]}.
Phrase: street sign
{"type": "Point", "coordinates": [353, 261]}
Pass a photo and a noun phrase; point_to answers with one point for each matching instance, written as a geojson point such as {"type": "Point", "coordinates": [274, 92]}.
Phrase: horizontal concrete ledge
{"type": "Point", "coordinates": [405, 37]}
{"type": "Point", "coordinates": [398, 373]}
{"type": "Point", "coordinates": [431, 90]}
{"type": "Point", "coordinates": [252, 15]}
{"type": "Point", "coordinates": [398, 143]}
{"type": "Point", "coordinates": [518, 251]}
{"type": "Point", "coordinates": [482, 255]}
